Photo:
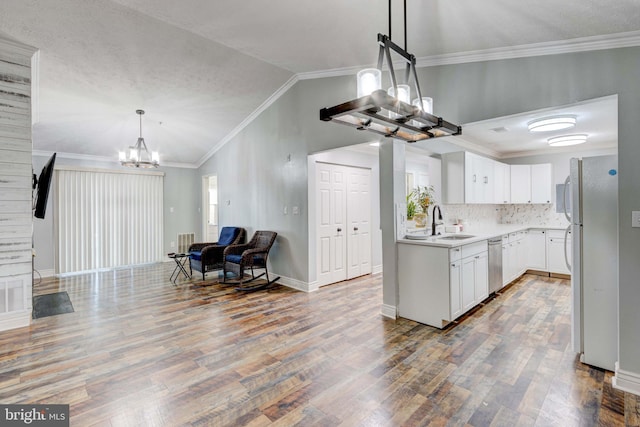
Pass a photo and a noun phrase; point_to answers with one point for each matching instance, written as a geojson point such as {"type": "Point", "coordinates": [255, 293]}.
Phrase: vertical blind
{"type": "Point", "coordinates": [107, 219]}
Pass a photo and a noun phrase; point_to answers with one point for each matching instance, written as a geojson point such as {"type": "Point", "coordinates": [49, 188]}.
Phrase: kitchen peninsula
{"type": "Point", "coordinates": [442, 277]}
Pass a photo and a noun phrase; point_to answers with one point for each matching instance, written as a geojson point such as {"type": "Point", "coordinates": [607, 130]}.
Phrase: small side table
{"type": "Point", "coordinates": [181, 262]}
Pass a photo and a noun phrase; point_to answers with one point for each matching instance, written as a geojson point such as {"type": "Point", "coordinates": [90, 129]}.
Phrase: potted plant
{"type": "Point", "coordinates": [411, 207]}
{"type": "Point", "coordinates": [423, 197]}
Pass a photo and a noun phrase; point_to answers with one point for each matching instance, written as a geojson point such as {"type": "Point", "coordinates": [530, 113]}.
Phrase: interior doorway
{"type": "Point", "coordinates": [210, 211]}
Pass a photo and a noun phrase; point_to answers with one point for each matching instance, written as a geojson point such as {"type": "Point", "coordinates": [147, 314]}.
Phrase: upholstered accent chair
{"type": "Point", "coordinates": [253, 255]}
{"type": "Point", "coordinates": [205, 257]}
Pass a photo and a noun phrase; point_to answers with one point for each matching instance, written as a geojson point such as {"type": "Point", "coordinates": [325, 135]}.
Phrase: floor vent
{"type": "Point", "coordinates": [184, 241]}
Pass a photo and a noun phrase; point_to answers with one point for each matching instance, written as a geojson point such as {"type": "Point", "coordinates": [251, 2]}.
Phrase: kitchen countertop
{"type": "Point", "coordinates": [479, 234]}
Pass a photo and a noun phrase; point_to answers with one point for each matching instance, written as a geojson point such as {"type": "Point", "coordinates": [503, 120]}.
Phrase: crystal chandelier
{"type": "Point", "coordinates": [138, 156]}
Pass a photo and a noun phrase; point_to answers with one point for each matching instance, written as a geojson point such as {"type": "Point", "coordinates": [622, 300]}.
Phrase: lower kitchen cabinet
{"type": "Point", "coordinates": [433, 295]}
{"type": "Point", "coordinates": [454, 289]}
{"type": "Point", "coordinates": [537, 258]}
{"type": "Point", "coordinates": [556, 262]}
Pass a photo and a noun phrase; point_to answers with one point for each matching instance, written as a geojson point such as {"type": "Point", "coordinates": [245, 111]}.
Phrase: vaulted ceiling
{"type": "Point", "coordinates": [199, 68]}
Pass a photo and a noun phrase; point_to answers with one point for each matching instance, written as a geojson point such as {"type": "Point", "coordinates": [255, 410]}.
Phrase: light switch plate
{"type": "Point", "coordinates": [635, 218]}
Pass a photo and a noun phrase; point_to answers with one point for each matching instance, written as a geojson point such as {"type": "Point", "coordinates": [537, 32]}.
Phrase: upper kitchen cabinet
{"type": "Point", "coordinates": [502, 183]}
{"type": "Point", "coordinates": [531, 183]}
{"type": "Point", "coordinates": [467, 178]}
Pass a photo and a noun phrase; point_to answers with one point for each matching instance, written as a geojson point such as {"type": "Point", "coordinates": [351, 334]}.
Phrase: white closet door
{"type": "Point", "coordinates": [331, 246]}
{"type": "Point", "coordinates": [359, 221]}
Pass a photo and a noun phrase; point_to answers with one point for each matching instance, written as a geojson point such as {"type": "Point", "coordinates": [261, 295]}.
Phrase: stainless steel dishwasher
{"type": "Point", "coordinates": [495, 264]}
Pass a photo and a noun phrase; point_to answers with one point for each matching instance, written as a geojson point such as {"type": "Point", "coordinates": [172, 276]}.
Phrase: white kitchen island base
{"type": "Point", "coordinates": [439, 284]}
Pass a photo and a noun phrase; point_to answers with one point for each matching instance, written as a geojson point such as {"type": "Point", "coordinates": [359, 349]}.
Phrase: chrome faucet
{"type": "Point", "coordinates": [433, 214]}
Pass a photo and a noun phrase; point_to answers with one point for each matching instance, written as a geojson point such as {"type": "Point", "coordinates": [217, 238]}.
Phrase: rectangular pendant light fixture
{"type": "Point", "coordinates": [383, 114]}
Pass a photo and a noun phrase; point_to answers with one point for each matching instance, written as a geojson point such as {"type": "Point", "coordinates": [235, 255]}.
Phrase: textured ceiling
{"type": "Point", "coordinates": [200, 68]}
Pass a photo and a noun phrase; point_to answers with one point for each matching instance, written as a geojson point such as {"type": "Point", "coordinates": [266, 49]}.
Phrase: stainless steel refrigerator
{"type": "Point", "coordinates": [593, 185]}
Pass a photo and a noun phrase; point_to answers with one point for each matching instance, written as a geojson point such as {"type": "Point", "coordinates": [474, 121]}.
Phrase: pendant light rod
{"type": "Point", "coordinates": [140, 113]}
{"type": "Point", "coordinates": [405, 26]}
{"type": "Point", "coordinates": [389, 18]}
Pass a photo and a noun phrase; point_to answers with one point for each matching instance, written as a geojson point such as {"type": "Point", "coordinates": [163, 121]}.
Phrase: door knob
{"type": "Point", "coordinates": [355, 228]}
{"type": "Point", "coordinates": [339, 230]}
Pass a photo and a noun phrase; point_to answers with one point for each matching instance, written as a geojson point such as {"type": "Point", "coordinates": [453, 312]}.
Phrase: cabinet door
{"type": "Point", "coordinates": [501, 183]}
{"type": "Point", "coordinates": [513, 261]}
{"type": "Point", "coordinates": [541, 183]}
{"type": "Point", "coordinates": [455, 298]}
{"type": "Point", "coordinates": [471, 178]}
{"type": "Point", "coordinates": [506, 278]}
{"type": "Point", "coordinates": [537, 258]}
{"type": "Point", "coordinates": [555, 256]}
{"type": "Point", "coordinates": [522, 256]}
{"type": "Point", "coordinates": [520, 183]}
{"type": "Point", "coordinates": [468, 283]}
{"type": "Point", "coordinates": [481, 277]}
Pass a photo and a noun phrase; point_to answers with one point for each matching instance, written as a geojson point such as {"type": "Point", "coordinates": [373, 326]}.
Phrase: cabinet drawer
{"type": "Point", "coordinates": [455, 254]}
{"type": "Point", "coordinates": [474, 248]}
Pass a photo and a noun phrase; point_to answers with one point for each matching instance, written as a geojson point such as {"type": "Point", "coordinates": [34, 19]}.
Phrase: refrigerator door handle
{"type": "Point", "coordinates": [566, 244]}
{"type": "Point", "coordinates": [564, 199]}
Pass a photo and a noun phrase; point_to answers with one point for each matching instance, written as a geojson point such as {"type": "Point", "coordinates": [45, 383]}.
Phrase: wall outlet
{"type": "Point", "coordinates": [285, 210]}
{"type": "Point", "coordinates": [171, 209]}
{"type": "Point", "coordinates": [296, 210]}
{"type": "Point", "coordinates": [635, 218]}
{"type": "Point", "coordinates": [173, 244]}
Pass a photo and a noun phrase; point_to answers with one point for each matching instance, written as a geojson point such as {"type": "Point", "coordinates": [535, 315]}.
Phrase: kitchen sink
{"type": "Point", "coordinates": [456, 237]}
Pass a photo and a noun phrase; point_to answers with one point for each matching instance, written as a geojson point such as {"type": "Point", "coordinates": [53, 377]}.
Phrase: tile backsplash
{"type": "Point", "coordinates": [486, 215]}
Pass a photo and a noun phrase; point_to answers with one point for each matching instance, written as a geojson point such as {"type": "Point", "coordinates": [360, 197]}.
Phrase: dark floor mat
{"type": "Point", "coordinates": [51, 304]}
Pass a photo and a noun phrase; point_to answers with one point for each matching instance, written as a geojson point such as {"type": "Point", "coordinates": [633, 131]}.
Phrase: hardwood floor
{"type": "Point", "coordinates": [139, 351]}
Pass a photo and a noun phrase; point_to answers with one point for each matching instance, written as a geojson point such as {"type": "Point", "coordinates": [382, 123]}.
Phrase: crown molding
{"type": "Point", "coordinates": [266, 104]}
{"type": "Point", "coordinates": [581, 44]}
{"type": "Point", "coordinates": [104, 159]}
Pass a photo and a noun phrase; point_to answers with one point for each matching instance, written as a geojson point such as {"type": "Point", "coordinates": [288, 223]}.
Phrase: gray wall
{"type": "Point", "coordinates": [181, 190]}
{"type": "Point", "coordinates": [255, 176]}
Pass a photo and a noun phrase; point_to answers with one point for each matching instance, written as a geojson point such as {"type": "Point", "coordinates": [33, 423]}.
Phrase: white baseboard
{"type": "Point", "coordinates": [389, 311]}
{"type": "Point", "coordinates": [15, 319]}
{"type": "Point", "coordinates": [376, 269]}
{"type": "Point", "coordinates": [296, 284]}
{"type": "Point", "coordinates": [626, 381]}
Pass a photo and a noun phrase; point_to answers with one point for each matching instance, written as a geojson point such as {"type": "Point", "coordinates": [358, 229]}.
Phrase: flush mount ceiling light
{"type": "Point", "coordinates": [564, 140]}
{"type": "Point", "coordinates": [547, 124]}
{"type": "Point", "coordinates": [138, 156]}
{"type": "Point", "coordinates": [382, 112]}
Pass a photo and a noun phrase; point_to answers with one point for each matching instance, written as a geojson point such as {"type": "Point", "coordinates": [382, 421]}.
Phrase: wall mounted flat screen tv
{"type": "Point", "coordinates": [42, 185]}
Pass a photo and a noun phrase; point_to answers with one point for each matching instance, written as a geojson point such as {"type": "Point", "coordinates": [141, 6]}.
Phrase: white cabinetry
{"type": "Point", "coordinates": [555, 252]}
{"type": "Point", "coordinates": [474, 275]}
{"type": "Point", "coordinates": [541, 187]}
{"type": "Point", "coordinates": [537, 258]}
{"type": "Point", "coordinates": [522, 249]}
{"type": "Point", "coordinates": [435, 295]}
{"type": "Point", "coordinates": [514, 256]}
{"type": "Point", "coordinates": [467, 178]}
{"type": "Point", "coordinates": [520, 183]}
{"type": "Point", "coordinates": [531, 183]}
{"type": "Point", "coordinates": [502, 183]}
{"type": "Point", "coordinates": [454, 288]}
